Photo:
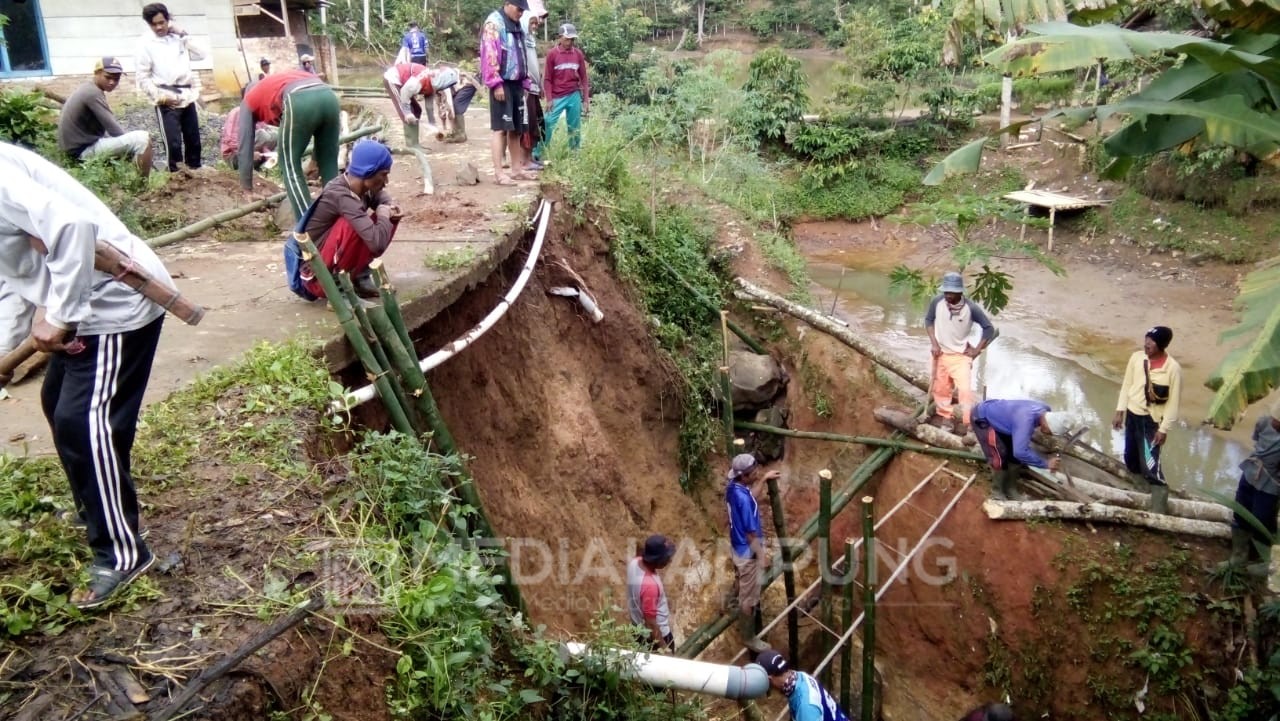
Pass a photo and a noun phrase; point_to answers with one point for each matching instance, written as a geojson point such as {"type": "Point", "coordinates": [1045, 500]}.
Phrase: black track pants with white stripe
{"type": "Point", "coordinates": [91, 400]}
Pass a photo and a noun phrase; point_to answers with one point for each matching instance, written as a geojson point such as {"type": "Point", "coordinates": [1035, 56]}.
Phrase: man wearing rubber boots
{"type": "Point", "coordinates": [103, 337]}
{"type": "Point", "coordinates": [1258, 493]}
{"type": "Point", "coordinates": [949, 321]}
{"type": "Point", "coordinates": [1004, 429]}
{"type": "Point", "coordinates": [746, 536]}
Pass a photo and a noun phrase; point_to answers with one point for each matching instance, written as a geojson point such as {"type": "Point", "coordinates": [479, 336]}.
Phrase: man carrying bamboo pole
{"type": "Point", "coordinates": [807, 700]}
{"type": "Point", "coordinates": [746, 536]}
{"type": "Point", "coordinates": [1004, 429]}
{"type": "Point", "coordinates": [352, 222]}
{"type": "Point", "coordinates": [103, 337]}
{"type": "Point", "coordinates": [949, 320]}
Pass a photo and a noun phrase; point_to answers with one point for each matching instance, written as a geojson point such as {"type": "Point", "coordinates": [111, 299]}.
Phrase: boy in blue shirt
{"type": "Point", "coordinates": [806, 698]}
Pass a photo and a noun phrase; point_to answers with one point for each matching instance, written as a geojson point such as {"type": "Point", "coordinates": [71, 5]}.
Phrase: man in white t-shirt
{"type": "Point", "coordinates": [949, 320]}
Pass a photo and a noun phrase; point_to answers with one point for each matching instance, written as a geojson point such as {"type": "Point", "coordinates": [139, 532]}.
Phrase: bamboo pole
{"type": "Point", "coordinates": [705, 634]}
{"type": "Point", "coordinates": [726, 409]}
{"type": "Point", "coordinates": [379, 353]}
{"type": "Point", "coordinates": [200, 226]}
{"type": "Point", "coordinates": [351, 327]}
{"type": "Point", "coordinates": [868, 608]}
{"type": "Point", "coordinates": [846, 620]}
{"type": "Point", "coordinates": [390, 303]}
{"type": "Point", "coordinates": [416, 383]}
{"type": "Point", "coordinates": [864, 440]}
{"type": "Point", "coordinates": [788, 573]}
{"type": "Point", "coordinates": [824, 560]}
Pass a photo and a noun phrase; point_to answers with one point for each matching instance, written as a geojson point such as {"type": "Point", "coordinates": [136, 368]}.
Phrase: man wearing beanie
{"type": "Point", "coordinates": [1147, 408]}
{"type": "Point", "coordinates": [306, 110]}
{"type": "Point", "coordinates": [351, 223]}
{"type": "Point", "coordinates": [647, 598]}
{"type": "Point", "coordinates": [1259, 494]}
{"type": "Point", "coordinates": [807, 700]}
{"type": "Point", "coordinates": [746, 536]}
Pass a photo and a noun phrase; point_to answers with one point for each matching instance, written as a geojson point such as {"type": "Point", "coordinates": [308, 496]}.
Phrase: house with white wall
{"type": "Point", "coordinates": [54, 38]}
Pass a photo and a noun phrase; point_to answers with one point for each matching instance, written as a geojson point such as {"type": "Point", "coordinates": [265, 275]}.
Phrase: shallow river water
{"type": "Point", "coordinates": [1061, 366]}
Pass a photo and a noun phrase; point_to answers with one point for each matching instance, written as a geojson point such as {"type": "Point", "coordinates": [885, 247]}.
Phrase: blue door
{"type": "Point", "coordinates": [24, 51]}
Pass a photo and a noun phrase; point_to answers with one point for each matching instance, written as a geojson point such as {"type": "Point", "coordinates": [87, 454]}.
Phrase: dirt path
{"type": "Point", "coordinates": [241, 282]}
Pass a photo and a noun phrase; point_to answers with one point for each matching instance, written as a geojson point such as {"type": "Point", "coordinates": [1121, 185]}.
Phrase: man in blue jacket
{"type": "Point", "coordinates": [807, 700]}
{"type": "Point", "coordinates": [1004, 429]}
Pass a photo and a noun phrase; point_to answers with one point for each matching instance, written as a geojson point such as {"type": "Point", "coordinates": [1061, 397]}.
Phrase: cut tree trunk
{"type": "Point", "coordinates": [906, 422]}
{"type": "Point", "coordinates": [1197, 510]}
{"type": "Point", "coordinates": [1099, 513]}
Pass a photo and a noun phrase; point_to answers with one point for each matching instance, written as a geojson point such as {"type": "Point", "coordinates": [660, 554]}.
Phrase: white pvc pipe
{"type": "Point", "coordinates": [543, 215]}
{"type": "Point", "coordinates": [716, 679]}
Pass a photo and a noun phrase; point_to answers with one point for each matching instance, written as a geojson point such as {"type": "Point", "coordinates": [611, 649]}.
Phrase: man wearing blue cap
{"type": "Point", "coordinates": [351, 222]}
{"type": "Point", "coordinates": [949, 321]}
{"type": "Point", "coordinates": [807, 700]}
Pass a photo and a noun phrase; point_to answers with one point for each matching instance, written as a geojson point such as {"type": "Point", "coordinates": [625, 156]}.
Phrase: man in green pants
{"type": "Point", "coordinates": [306, 110]}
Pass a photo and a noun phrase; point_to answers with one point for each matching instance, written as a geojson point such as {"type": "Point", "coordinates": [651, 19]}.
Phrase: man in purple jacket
{"type": "Point", "coordinates": [1004, 429]}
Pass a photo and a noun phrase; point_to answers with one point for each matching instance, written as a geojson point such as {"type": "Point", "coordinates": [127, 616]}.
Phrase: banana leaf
{"type": "Point", "coordinates": [1226, 120]}
{"type": "Point", "coordinates": [968, 158]}
{"type": "Point", "coordinates": [974, 17]}
{"type": "Point", "coordinates": [1059, 46]}
{"type": "Point", "coordinates": [1249, 372]}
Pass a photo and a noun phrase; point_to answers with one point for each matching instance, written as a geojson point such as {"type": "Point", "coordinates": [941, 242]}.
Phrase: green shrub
{"type": "Point", "coordinates": [871, 189]}
{"type": "Point", "coordinates": [795, 41]}
{"type": "Point", "coordinates": [26, 121]}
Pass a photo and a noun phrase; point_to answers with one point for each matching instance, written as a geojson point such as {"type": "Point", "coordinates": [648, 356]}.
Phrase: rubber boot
{"type": "Point", "coordinates": [1262, 568]}
{"type": "Point", "coordinates": [459, 134]}
{"type": "Point", "coordinates": [410, 135]}
{"type": "Point", "coordinates": [1240, 540]}
{"type": "Point", "coordinates": [749, 629]}
{"type": "Point", "coordinates": [1160, 499]}
{"type": "Point", "coordinates": [999, 489]}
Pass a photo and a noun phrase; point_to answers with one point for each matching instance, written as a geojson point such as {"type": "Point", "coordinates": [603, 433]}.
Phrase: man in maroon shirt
{"type": "Point", "coordinates": [566, 83]}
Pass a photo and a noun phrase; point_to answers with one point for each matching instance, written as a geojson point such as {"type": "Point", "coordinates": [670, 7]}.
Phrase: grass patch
{"type": "Point", "coordinates": [1213, 233]}
{"type": "Point", "coordinates": [780, 252]}
{"type": "Point", "coordinates": [865, 191]}
{"type": "Point", "coordinates": [454, 258]}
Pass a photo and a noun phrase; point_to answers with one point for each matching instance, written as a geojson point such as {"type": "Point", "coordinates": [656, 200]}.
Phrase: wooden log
{"type": "Point", "coordinates": [1101, 513]}
{"type": "Point", "coordinates": [1197, 510]}
{"type": "Point", "coordinates": [907, 422]}
{"type": "Point", "coordinates": [831, 327]}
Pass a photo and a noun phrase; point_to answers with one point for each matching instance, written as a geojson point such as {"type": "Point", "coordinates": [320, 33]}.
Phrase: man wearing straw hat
{"type": "Point", "coordinates": [103, 337]}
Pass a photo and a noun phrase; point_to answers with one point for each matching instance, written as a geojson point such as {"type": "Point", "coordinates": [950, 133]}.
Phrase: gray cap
{"type": "Point", "coordinates": [568, 31]}
{"type": "Point", "coordinates": [742, 464]}
{"type": "Point", "coordinates": [952, 283]}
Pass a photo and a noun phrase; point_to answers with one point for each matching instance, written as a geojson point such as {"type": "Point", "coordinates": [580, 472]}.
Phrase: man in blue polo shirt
{"type": "Point", "coordinates": [747, 538]}
{"type": "Point", "coordinates": [415, 41]}
{"type": "Point", "coordinates": [1004, 429]}
{"type": "Point", "coordinates": [807, 700]}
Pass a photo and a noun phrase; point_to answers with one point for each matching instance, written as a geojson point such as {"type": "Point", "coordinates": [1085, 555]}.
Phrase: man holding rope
{"type": "Point", "coordinates": [103, 337]}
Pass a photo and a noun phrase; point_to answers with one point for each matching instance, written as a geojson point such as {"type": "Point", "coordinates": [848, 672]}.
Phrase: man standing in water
{"type": "Point", "coordinates": [1147, 408]}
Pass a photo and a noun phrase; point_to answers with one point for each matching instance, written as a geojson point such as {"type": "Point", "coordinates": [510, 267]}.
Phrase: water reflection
{"type": "Point", "coordinates": [1029, 360]}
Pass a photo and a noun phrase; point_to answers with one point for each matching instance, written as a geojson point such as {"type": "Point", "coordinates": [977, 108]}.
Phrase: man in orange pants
{"type": "Point", "coordinates": [949, 320]}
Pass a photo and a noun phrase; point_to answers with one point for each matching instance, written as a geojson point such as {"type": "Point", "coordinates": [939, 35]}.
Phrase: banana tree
{"type": "Point", "coordinates": [1252, 369]}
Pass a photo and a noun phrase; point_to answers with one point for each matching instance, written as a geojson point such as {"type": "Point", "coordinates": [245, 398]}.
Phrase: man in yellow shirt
{"type": "Point", "coordinates": [1147, 408]}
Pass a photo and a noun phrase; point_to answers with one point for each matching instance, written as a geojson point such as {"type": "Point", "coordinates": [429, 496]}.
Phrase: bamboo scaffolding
{"type": "Point", "coordinates": [824, 555]}
{"type": "Point", "coordinates": [844, 559]}
{"type": "Point", "coordinates": [707, 633]}
{"type": "Point", "coordinates": [351, 327]}
{"type": "Point", "coordinates": [379, 353]}
{"type": "Point", "coordinates": [788, 572]}
{"type": "Point", "coordinates": [868, 609]}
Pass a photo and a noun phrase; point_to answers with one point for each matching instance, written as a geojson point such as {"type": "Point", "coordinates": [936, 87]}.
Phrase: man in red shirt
{"type": "Point", "coordinates": [567, 85]}
{"type": "Point", "coordinates": [305, 109]}
{"type": "Point", "coordinates": [646, 596]}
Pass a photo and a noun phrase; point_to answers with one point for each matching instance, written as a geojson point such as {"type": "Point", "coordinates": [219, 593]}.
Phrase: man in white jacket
{"type": "Point", "coordinates": [165, 76]}
{"type": "Point", "coordinates": [103, 337]}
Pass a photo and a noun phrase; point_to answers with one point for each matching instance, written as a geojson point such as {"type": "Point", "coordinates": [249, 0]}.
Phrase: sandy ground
{"type": "Point", "coordinates": [241, 283]}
